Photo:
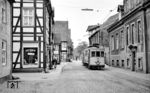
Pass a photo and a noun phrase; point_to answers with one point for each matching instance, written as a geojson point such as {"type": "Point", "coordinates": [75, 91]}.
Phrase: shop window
{"type": "Point", "coordinates": [4, 52]}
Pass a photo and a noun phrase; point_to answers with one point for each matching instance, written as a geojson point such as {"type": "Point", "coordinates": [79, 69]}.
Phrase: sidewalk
{"type": "Point", "coordinates": [52, 74]}
{"type": "Point", "coordinates": [128, 72]}
{"type": "Point", "coordinates": [31, 82]}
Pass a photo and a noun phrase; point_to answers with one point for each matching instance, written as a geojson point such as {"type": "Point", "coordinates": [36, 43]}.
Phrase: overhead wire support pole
{"type": "Point", "coordinates": [44, 36]}
{"type": "Point", "coordinates": [21, 34]}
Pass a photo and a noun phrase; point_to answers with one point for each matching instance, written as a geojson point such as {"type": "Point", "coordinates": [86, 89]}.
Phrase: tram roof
{"type": "Point", "coordinates": [95, 47]}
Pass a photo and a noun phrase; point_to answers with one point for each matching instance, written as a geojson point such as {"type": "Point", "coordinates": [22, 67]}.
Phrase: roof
{"type": "Point", "coordinates": [94, 33]}
{"type": "Point", "coordinates": [106, 24]}
{"type": "Point", "coordinates": [92, 27]}
{"type": "Point", "coordinates": [112, 19]}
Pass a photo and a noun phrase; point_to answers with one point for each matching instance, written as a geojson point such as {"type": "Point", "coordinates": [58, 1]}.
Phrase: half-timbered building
{"type": "Point", "coordinates": [62, 41]}
{"type": "Point", "coordinates": [31, 33]}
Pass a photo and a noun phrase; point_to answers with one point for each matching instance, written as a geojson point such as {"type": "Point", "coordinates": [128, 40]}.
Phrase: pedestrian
{"type": "Point", "coordinates": [54, 62]}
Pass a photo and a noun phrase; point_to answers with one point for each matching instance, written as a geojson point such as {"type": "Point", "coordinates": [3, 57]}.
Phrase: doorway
{"type": "Point", "coordinates": [133, 60]}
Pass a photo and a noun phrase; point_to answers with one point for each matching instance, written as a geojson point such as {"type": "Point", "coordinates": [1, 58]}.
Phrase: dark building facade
{"type": "Point", "coordinates": [99, 35]}
{"type": "Point", "coordinates": [31, 33]}
{"type": "Point", "coordinates": [94, 34]}
{"type": "Point", "coordinates": [129, 36]}
{"type": "Point", "coordinates": [62, 41]}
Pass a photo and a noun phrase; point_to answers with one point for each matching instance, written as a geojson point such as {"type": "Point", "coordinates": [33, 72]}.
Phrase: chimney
{"type": "Point", "coordinates": [120, 10]}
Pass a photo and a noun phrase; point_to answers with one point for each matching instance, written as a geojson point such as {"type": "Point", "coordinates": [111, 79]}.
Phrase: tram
{"type": "Point", "coordinates": [93, 57]}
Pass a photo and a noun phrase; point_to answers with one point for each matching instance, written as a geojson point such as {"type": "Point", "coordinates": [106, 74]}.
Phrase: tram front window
{"type": "Point", "coordinates": [93, 53]}
{"type": "Point", "coordinates": [102, 54]}
{"type": "Point", "coordinates": [97, 54]}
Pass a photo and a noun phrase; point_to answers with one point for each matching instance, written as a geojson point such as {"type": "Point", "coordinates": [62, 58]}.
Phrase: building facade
{"type": "Point", "coordinates": [99, 35]}
{"type": "Point", "coordinates": [32, 22]}
{"type": "Point", "coordinates": [62, 40]}
{"type": "Point", "coordinates": [94, 34]}
{"type": "Point", "coordinates": [129, 36]}
{"type": "Point", "coordinates": [5, 39]}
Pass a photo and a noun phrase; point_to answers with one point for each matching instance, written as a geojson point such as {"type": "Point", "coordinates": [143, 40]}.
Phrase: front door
{"type": "Point", "coordinates": [133, 60]}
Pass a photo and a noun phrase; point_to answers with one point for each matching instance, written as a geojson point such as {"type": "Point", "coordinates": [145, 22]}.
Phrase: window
{"type": "Point", "coordinates": [117, 41]}
{"type": "Point", "coordinates": [112, 43]}
{"type": "Point", "coordinates": [139, 32]}
{"type": "Point", "coordinates": [112, 62]}
{"type": "Point", "coordinates": [117, 62]}
{"type": "Point", "coordinates": [128, 35]}
{"type": "Point", "coordinates": [133, 33]}
{"type": "Point", "coordinates": [64, 46]}
{"type": "Point", "coordinates": [140, 63]}
{"type": "Point", "coordinates": [93, 53]}
{"type": "Point", "coordinates": [4, 16]}
{"type": "Point", "coordinates": [4, 53]}
{"type": "Point", "coordinates": [122, 39]}
{"type": "Point", "coordinates": [128, 62]}
{"type": "Point", "coordinates": [102, 53]}
{"type": "Point", "coordinates": [97, 54]}
{"type": "Point", "coordinates": [28, 17]}
{"type": "Point", "coordinates": [122, 63]}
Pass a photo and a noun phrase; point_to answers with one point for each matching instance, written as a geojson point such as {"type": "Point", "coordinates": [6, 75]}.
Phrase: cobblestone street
{"type": "Point", "coordinates": [75, 78]}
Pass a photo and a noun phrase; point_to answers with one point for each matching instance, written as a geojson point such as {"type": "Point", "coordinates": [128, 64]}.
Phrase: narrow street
{"type": "Point", "coordinates": [75, 78]}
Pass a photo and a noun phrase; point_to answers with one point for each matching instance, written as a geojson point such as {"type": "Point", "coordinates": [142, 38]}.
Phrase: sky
{"type": "Point", "coordinates": [71, 11]}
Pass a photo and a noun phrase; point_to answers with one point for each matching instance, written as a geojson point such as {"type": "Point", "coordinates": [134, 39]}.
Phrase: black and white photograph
{"type": "Point", "coordinates": [74, 46]}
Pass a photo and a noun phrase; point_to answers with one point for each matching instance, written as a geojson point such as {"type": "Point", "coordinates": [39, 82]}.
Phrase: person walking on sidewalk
{"type": "Point", "coordinates": [54, 62]}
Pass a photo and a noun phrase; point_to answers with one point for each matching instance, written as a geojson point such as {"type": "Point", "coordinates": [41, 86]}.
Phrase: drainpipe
{"type": "Point", "coordinates": [50, 63]}
{"type": "Point", "coordinates": [146, 43]}
{"type": "Point", "coordinates": [11, 30]}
